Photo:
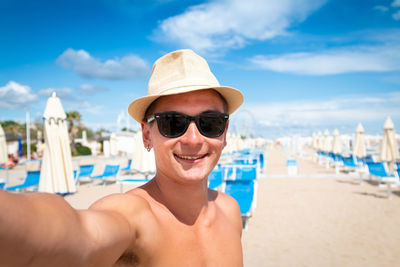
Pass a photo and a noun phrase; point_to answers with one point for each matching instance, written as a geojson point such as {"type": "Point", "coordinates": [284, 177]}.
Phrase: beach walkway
{"type": "Point", "coordinates": [321, 222]}
{"type": "Point", "coordinates": [276, 164]}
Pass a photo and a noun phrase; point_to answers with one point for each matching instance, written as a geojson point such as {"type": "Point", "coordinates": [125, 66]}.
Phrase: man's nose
{"type": "Point", "coordinates": [192, 135]}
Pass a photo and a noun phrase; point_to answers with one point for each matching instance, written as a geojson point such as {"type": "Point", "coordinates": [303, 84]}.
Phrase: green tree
{"type": "Point", "coordinates": [13, 127]}
{"type": "Point", "coordinates": [74, 124]}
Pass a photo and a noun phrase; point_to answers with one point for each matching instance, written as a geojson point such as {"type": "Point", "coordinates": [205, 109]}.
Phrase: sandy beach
{"type": "Point", "coordinates": [316, 218]}
{"type": "Point", "coordinates": [321, 221]}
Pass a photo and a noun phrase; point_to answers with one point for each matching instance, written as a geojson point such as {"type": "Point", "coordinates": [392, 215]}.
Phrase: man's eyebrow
{"type": "Point", "coordinates": [211, 110]}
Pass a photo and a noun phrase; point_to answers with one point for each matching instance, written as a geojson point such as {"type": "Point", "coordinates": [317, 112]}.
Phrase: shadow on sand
{"type": "Point", "coordinates": [352, 182]}
{"type": "Point", "coordinates": [371, 195]}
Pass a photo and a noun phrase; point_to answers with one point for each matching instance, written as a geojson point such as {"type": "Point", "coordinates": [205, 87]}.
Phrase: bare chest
{"type": "Point", "coordinates": [182, 245]}
{"type": "Point", "coordinates": [209, 246]}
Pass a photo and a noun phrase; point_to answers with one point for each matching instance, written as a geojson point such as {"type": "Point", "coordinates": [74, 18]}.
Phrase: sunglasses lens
{"type": "Point", "coordinates": [172, 125]}
{"type": "Point", "coordinates": [212, 124]}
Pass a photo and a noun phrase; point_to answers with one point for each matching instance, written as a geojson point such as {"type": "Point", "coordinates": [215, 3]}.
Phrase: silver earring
{"type": "Point", "coordinates": [148, 148]}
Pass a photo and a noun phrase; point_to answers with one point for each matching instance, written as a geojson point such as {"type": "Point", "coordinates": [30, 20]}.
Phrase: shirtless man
{"type": "Point", "coordinates": [173, 220]}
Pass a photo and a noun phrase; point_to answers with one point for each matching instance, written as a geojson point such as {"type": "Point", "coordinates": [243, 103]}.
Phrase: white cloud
{"type": "Point", "coordinates": [128, 67]}
{"type": "Point", "coordinates": [334, 61]}
{"type": "Point", "coordinates": [396, 16]}
{"type": "Point", "coordinates": [396, 3]}
{"type": "Point", "coordinates": [63, 93]}
{"type": "Point", "coordinates": [233, 23]}
{"type": "Point", "coordinates": [331, 113]}
{"type": "Point", "coordinates": [89, 89]}
{"type": "Point", "coordinates": [14, 96]}
{"type": "Point", "coordinates": [84, 106]}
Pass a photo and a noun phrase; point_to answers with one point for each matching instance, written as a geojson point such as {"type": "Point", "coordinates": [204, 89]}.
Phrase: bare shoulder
{"type": "Point", "coordinates": [229, 206]}
{"type": "Point", "coordinates": [224, 200]}
{"type": "Point", "coordinates": [131, 207]}
{"type": "Point", "coordinates": [124, 203]}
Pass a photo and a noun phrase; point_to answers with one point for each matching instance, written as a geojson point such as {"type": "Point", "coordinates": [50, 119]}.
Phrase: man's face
{"type": "Point", "coordinates": [192, 156]}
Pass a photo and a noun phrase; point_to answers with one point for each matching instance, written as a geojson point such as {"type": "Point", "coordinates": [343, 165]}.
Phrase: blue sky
{"type": "Point", "coordinates": [303, 66]}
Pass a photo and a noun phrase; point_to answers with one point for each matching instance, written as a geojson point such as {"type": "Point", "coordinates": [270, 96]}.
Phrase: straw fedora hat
{"type": "Point", "coordinates": [180, 72]}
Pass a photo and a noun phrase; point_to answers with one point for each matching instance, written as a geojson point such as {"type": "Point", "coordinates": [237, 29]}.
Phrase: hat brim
{"type": "Point", "coordinates": [233, 97]}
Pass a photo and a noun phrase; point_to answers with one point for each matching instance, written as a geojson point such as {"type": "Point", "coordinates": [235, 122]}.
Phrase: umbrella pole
{"type": "Point", "coordinates": [28, 135]}
{"type": "Point", "coordinates": [389, 191]}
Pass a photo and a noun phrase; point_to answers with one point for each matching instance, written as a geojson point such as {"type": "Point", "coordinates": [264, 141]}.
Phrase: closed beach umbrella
{"type": "Point", "coordinates": [142, 160]}
{"type": "Point", "coordinates": [148, 162]}
{"type": "Point", "coordinates": [389, 148]}
{"type": "Point", "coordinates": [320, 141]}
{"type": "Point", "coordinates": [3, 146]}
{"type": "Point", "coordinates": [327, 144]}
{"type": "Point", "coordinates": [314, 142]}
{"type": "Point", "coordinates": [113, 145]}
{"type": "Point", "coordinates": [138, 151]}
{"type": "Point", "coordinates": [56, 175]}
{"type": "Point", "coordinates": [337, 142]}
{"type": "Point", "coordinates": [359, 148]}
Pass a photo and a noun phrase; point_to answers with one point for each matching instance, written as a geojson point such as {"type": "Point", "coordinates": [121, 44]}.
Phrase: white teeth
{"type": "Point", "coordinates": [189, 158]}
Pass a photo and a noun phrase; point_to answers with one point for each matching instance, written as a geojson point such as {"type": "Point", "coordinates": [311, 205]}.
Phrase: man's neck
{"type": "Point", "coordinates": [187, 202]}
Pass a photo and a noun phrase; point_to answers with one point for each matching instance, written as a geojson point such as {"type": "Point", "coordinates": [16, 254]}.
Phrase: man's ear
{"type": "Point", "coordinates": [146, 134]}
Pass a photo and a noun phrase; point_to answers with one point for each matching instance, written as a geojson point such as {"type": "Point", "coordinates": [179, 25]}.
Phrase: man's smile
{"type": "Point", "coordinates": [190, 157]}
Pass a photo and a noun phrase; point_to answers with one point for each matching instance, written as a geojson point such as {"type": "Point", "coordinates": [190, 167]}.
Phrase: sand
{"type": "Point", "coordinates": [317, 218]}
{"type": "Point", "coordinates": [321, 221]}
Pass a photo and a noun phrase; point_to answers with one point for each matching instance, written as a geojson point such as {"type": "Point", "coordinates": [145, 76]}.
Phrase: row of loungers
{"type": "Point", "coordinates": [366, 166]}
{"type": "Point", "coordinates": [83, 174]}
{"type": "Point", "coordinates": [239, 180]}
{"type": "Point", "coordinates": [112, 173]}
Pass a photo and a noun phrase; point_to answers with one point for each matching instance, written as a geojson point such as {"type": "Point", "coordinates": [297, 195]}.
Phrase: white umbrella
{"type": "Point", "coordinates": [389, 149]}
{"type": "Point", "coordinates": [113, 145]}
{"type": "Point", "coordinates": [359, 148]}
{"type": "Point", "coordinates": [138, 151]}
{"type": "Point", "coordinates": [320, 141]}
{"type": "Point", "coordinates": [314, 142]}
{"type": "Point", "coordinates": [337, 142]}
{"type": "Point", "coordinates": [142, 160]}
{"type": "Point", "coordinates": [3, 146]}
{"type": "Point", "coordinates": [327, 144]}
{"type": "Point", "coordinates": [56, 174]}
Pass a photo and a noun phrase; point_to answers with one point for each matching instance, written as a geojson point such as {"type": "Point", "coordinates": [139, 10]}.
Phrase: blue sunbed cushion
{"type": "Point", "coordinates": [243, 192]}
{"type": "Point", "coordinates": [32, 179]}
{"type": "Point", "coordinates": [85, 170]}
{"type": "Point", "coordinates": [215, 178]}
{"type": "Point", "coordinates": [109, 171]}
{"type": "Point", "coordinates": [378, 169]}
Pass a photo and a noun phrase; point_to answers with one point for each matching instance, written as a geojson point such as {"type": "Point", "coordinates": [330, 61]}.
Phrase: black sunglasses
{"type": "Point", "coordinates": [174, 124]}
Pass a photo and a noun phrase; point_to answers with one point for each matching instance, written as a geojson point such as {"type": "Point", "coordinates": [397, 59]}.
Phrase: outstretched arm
{"type": "Point", "coordinates": [44, 230]}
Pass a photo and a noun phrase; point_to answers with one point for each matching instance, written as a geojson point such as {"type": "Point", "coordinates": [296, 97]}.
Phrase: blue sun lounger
{"type": "Point", "coordinates": [31, 180]}
{"type": "Point", "coordinates": [215, 179]}
{"type": "Point", "coordinates": [110, 172]}
{"type": "Point", "coordinates": [397, 166]}
{"type": "Point", "coordinates": [246, 172]}
{"type": "Point", "coordinates": [84, 173]}
{"type": "Point", "coordinates": [243, 191]}
{"type": "Point", "coordinates": [132, 180]}
{"type": "Point", "coordinates": [378, 169]}
{"type": "Point", "coordinates": [128, 167]}
{"type": "Point", "coordinates": [350, 162]}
